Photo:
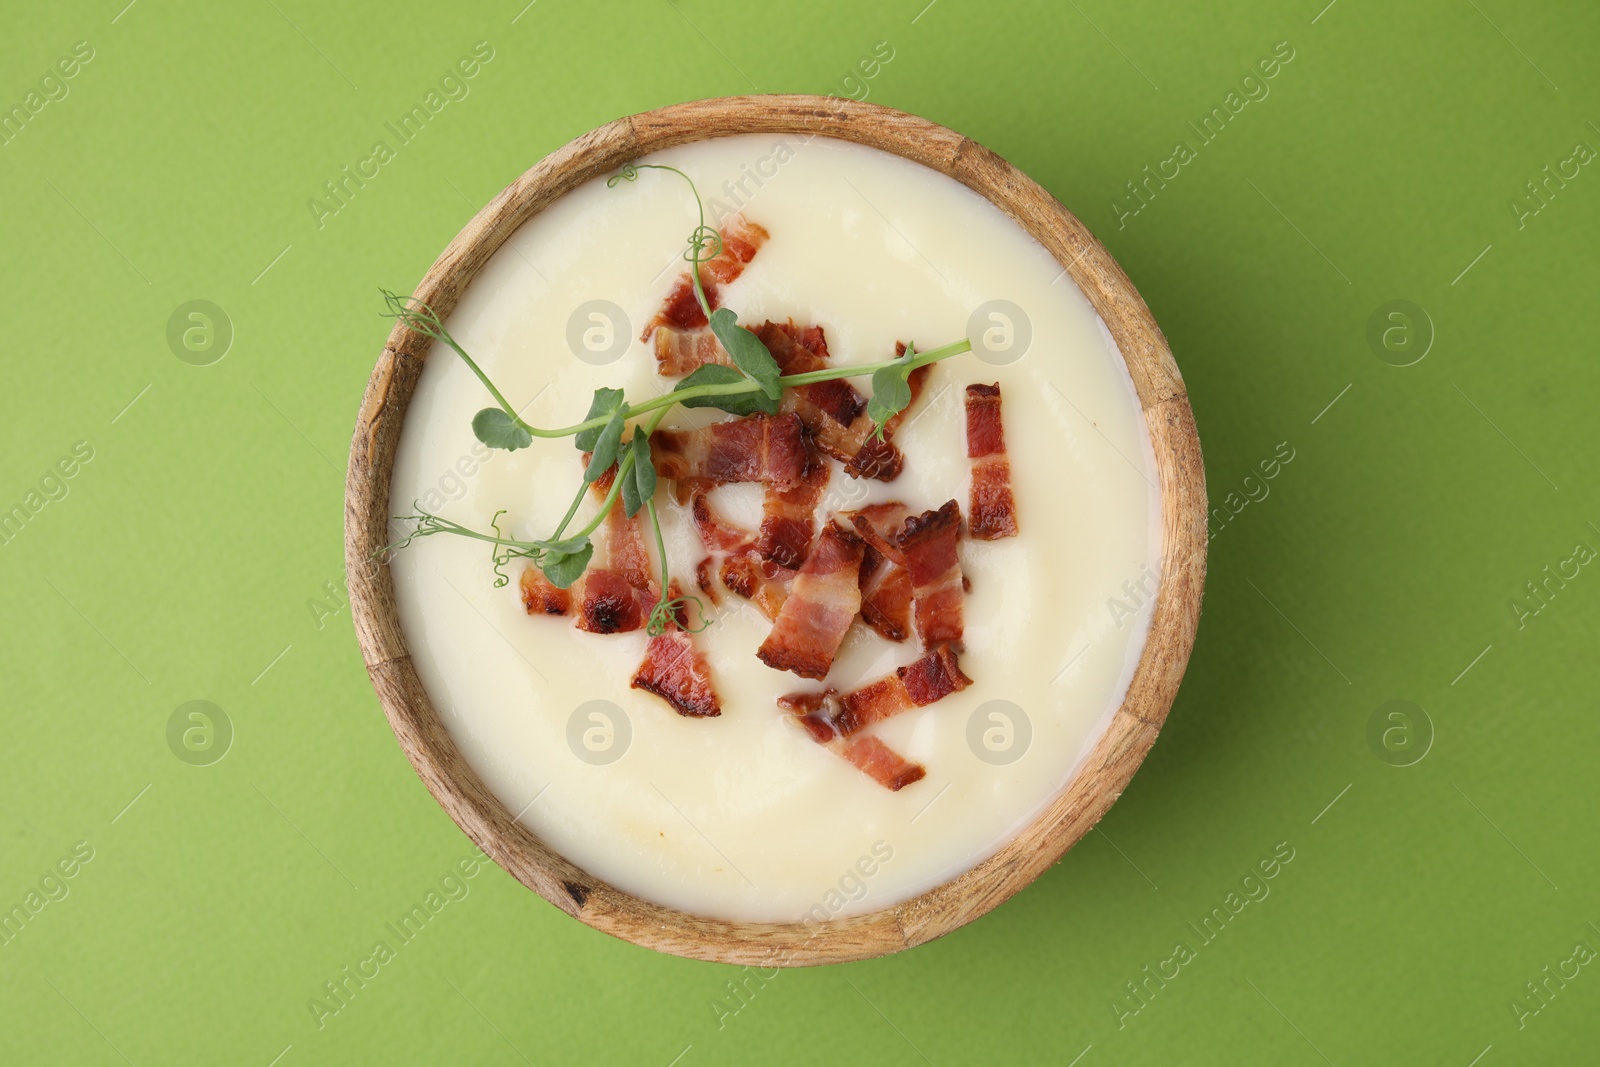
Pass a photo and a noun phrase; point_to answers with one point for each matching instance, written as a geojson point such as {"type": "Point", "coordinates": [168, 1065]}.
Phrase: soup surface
{"type": "Point", "coordinates": [744, 816]}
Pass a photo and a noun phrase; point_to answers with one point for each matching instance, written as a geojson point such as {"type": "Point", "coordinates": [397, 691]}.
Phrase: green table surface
{"type": "Point", "coordinates": [1440, 906]}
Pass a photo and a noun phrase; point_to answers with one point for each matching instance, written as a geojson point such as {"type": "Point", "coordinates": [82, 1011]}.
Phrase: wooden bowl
{"type": "Point", "coordinates": [1114, 758]}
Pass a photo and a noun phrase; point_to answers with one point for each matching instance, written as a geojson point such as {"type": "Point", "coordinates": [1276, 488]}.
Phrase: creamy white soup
{"type": "Point", "coordinates": [744, 816]}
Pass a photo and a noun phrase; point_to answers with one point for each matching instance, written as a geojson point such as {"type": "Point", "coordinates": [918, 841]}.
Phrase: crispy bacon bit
{"type": "Point", "coordinates": [540, 597]}
{"type": "Point", "coordinates": [916, 685]}
{"type": "Point", "coordinates": [788, 517]}
{"type": "Point", "coordinates": [610, 604]}
{"type": "Point", "coordinates": [702, 578]}
{"type": "Point", "coordinates": [886, 593]}
{"type": "Point", "coordinates": [927, 545]}
{"type": "Point", "coordinates": [680, 351]}
{"type": "Point", "coordinates": [716, 533]}
{"type": "Point", "coordinates": [758, 448]}
{"type": "Point", "coordinates": [882, 764]}
{"type": "Point", "coordinates": [994, 510]}
{"type": "Point", "coordinates": [741, 240]}
{"type": "Point", "coordinates": [625, 540]}
{"type": "Point", "coordinates": [877, 525]}
{"type": "Point", "coordinates": [886, 596]}
{"type": "Point", "coordinates": [828, 409]}
{"type": "Point", "coordinates": [674, 670]}
{"type": "Point", "coordinates": [815, 711]}
{"type": "Point", "coordinates": [822, 604]}
{"type": "Point", "coordinates": [682, 311]}
{"type": "Point", "coordinates": [743, 572]}
{"type": "Point", "coordinates": [764, 584]}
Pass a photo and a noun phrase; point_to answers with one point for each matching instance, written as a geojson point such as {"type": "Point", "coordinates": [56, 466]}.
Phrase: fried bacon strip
{"type": "Point", "coordinates": [828, 409]}
{"type": "Point", "coordinates": [927, 545]}
{"type": "Point", "coordinates": [886, 596]}
{"type": "Point", "coordinates": [742, 570]}
{"type": "Point", "coordinates": [764, 584]}
{"type": "Point", "coordinates": [916, 685]}
{"type": "Point", "coordinates": [679, 351]}
{"type": "Point", "coordinates": [868, 754]}
{"type": "Point", "coordinates": [741, 240]}
{"type": "Point", "coordinates": [625, 538]}
{"type": "Point", "coordinates": [788, 516]}
{"type": "Point", "coordinates": [610, 604]}
{"type": "Point", "coordinates": [674, 670]}
{"type": "Point", "coordinates": [886, 593]}
{"type": "Point", "coordinates": [683, 339]}
{"type": "Point", "coordinates": [993, 514]}
{"type": "Point", "coordinates": [757, 448]}
{"type": "Point", "coordinates": [540, 597]}
{"type": "Point", "coordinates": [822, 604]}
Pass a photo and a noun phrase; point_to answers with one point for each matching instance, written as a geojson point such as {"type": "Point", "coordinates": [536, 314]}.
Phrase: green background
{"type": "Point", "coordinates": [1382, 564]}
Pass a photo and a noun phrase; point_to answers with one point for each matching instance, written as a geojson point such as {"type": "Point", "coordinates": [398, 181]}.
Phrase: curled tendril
{"type": "Point", "coordinates": [497, 557]}
{"type": "Point", "coordinates": [628, 173]}
{"type": "Point", "coordinates": [705, 243]}
{"type": "Point", "coordinates": [674, 612]}
{"type": "Point", "coordinates": [428, 524]}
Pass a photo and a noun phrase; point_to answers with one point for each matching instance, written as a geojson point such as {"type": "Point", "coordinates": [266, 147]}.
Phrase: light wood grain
{"type": "Point", "coordinates": [1115, 756]}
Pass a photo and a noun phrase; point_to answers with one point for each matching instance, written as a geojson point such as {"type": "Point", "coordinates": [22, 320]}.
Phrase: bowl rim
{"type": "Point", "coordinates": [1102, 774]}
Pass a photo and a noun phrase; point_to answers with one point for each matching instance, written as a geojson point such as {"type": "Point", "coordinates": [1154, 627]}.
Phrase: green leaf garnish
{"type": "Point", "coordinates": [749, 354]}
{"type": "Point", "coordinates": [606, 403]}
{"type": "Point", "coordinates": [564, 568]}
{"type": "Point", "coordinates": [746, 403]}
{"type": "Point", "coordinates": [890, 391]}
{"type": "Point", "coordinates": [605, 447]}
{"type": "Point", "coordinates": [640, 484]}
{"type": "Point", "coordinates": [496, 429]}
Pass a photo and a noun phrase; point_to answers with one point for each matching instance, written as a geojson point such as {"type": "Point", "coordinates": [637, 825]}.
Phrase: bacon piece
{"type": "Point", "coordinates": [882, 764]}
{"type": "Point", "coordinates": [870, 755]}
{"type": "Point", "coordinates": [828, 409]}
{"type": "Point", "coordinates": [764, 584]}
{"type": "Point", "coordinates": [886, 596]}
{"type": "Point", "coordinates": [993, 514]}
{"type": "Point", "coordinates": [916, 685]}
{"type": "Point", "coordinates": [822, 604]}
{"type": "Point", "coordinates": [610, 604]}
{"type": "Point", "coordinates": [743, 572]}
{"type": "Point", "coordinates": [758, 448]}
{"type": "Point", "coordinates": [680, 351]}
{"type": "Point", "coordinates": [877, 524]}
{"type": "Point", "coordinates": [741, 240]}
{"type": "Point", "coordinates": [625, 541]}
{"type": "Point", "coordinates": [682, 311]}
{"type": "Point", "coordinates": [716, 533]}
{"type": "Point", "coordinates": [702, 578]}
{"type": "Point", "coordinates": [674, 670]}
{"type": "Point", "coordinates": [880, 459]}
{"type": "Point", "coordinates": [541, 597]}
{"type": "Point", "coordinates": [788, 517]}
{"type": "Point", "coordinates": [927, 545]}
{"type": "Point", "coordinates": [886, 593]}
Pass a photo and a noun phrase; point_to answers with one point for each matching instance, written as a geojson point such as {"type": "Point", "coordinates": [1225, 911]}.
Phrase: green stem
{"type": "Point", "coordinates": [828, 374]}
{"type": "Point", "coordinates": [695, 246]}
{"type": "Point", "coordinates": [573, 510]}
{"type": "Point", "coordinates": [661, 546]}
